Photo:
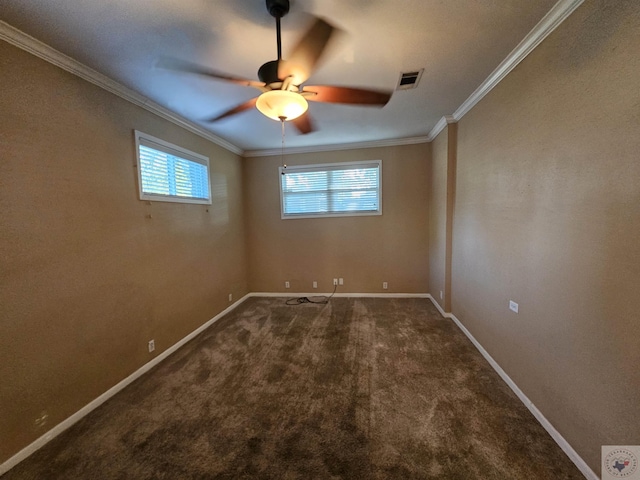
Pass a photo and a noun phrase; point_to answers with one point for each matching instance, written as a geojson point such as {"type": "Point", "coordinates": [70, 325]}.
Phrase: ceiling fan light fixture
{"type": "Point", "coordinates": [282, 104]}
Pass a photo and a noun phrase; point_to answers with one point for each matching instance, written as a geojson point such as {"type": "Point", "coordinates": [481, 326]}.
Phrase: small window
{"type": "Point", "coordinates": [331, 190]}
{"type": "Point", "coordinates": [168, 173]}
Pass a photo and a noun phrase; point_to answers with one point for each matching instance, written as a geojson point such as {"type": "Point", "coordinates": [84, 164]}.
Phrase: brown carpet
{"type": "Point", "coordinates": [356, 389]}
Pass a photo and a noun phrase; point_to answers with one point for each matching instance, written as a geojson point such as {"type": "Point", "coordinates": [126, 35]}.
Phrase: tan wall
{"type": "Point", "coordinates": [365, 251]}
{"type": "Point", "coordinates": [438, 216]}
{"type": "Point", "coordinates": [441, 205]}
{"type": "Point", "coordinates": [86, 278]}
{"type": "Point", "coordinates": [548, 215]}
{"type": "Point", "coordinates": [452, 159]}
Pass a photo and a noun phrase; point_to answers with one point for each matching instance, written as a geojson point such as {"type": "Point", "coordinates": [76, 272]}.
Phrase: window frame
{"type": "Point", "coordinates": [149, 141]}
{"type": "Point", "coordinates": [320, 167]}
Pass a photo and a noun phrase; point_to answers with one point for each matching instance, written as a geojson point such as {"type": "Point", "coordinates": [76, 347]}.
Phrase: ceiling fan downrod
{"type": "Point", "coordinates": [278, 9]}
{"type": "Point", "coordinates": [268, 73]}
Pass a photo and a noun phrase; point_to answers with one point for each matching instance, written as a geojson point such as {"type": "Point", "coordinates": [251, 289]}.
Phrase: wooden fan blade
{"type": "Point", "coordinates": [358, 96]}
{"type": "Point", "coordinates": [240, 108]}
{"type": "Point", "coordinates": [174, 64]}
{"type": "Point", "coordinates": [303, 124]}
{"type": "Point", "coordinates": [306, 54]}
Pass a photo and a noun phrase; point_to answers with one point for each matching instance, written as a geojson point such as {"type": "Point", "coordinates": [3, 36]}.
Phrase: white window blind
{"type": "Point", "coordinates": [169, 173]}
{"type": "Point", "coordinates": [339, 189]}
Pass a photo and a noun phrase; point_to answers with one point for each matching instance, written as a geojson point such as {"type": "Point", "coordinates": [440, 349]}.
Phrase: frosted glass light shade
{"type": "Point", "coordinates": [278, 104]}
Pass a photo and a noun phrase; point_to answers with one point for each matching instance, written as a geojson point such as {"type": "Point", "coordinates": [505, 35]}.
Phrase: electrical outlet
{"type": "Point", "coordinates": [513, 306]}
{"type": "Point", "coordinates": [286, 285]}
{"type": "Point", "coordinates": [335, 281]}
{"type": "Point", "coordinates": [231, 297]}
{"type": "Point", "coordinates": [385, 285]}
{"type": "Point", "coordinates": [315, 284]}
{"type": "Point", "coordinates": [440, 294]}
{"type": "Point", "coordinates": [152, 345]}
{"type": "Point", "coordinates": [341, 281]}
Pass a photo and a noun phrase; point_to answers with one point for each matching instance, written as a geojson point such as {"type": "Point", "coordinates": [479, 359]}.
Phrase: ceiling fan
{"type": "Point", "coordinates": [283, 96]}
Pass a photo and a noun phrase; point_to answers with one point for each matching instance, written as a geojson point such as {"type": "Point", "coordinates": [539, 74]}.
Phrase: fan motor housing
{"type": "Point", "coordinates": [278, 8]}
{"type": "Point", "coordinates": [268, 73]}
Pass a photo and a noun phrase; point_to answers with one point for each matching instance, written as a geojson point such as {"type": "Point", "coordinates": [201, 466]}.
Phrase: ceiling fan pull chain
{"type": "Point", "coordinates": [284, 165]}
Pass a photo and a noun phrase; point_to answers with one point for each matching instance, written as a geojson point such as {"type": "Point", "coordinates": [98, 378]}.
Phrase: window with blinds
{"type": "Point", "coordinates": [331, 190]}
{"type": "Point", "coordinates": [168, 173]}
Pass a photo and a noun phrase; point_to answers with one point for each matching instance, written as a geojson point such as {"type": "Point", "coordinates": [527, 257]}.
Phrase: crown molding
{"type": "Point", "coordinates": [438, 127]}
{"type": "Point", "coordinates": [560, 11]}
{"type": "Point", "coordinates": [29, 44]}
{"type": "Point", "coordinates": [548, 24]}
{"type": "Point", "coordinates": [41, 50]}
{"type": "Point", "coordinates": [338, 146]}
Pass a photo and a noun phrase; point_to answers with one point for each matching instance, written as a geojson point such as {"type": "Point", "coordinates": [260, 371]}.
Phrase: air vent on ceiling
{"type": "Point", "coordinates": [409, 80]}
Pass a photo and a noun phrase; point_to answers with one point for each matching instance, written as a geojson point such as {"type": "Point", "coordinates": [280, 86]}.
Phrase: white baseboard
{"type": "Point", "coordinates": [559, 439]}
{"type": "Point", "coordinates": [340, 295]}
{"type": "Point", "coordinates": [437, 305]}
{"type": "Point", "coordinates": [68, 422]}
{"type": "Point", "coordinates": [65, 424]}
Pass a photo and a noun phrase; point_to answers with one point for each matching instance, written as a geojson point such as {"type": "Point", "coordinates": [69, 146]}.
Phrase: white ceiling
{"type": "Point", "coordinates": [458, 42]}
